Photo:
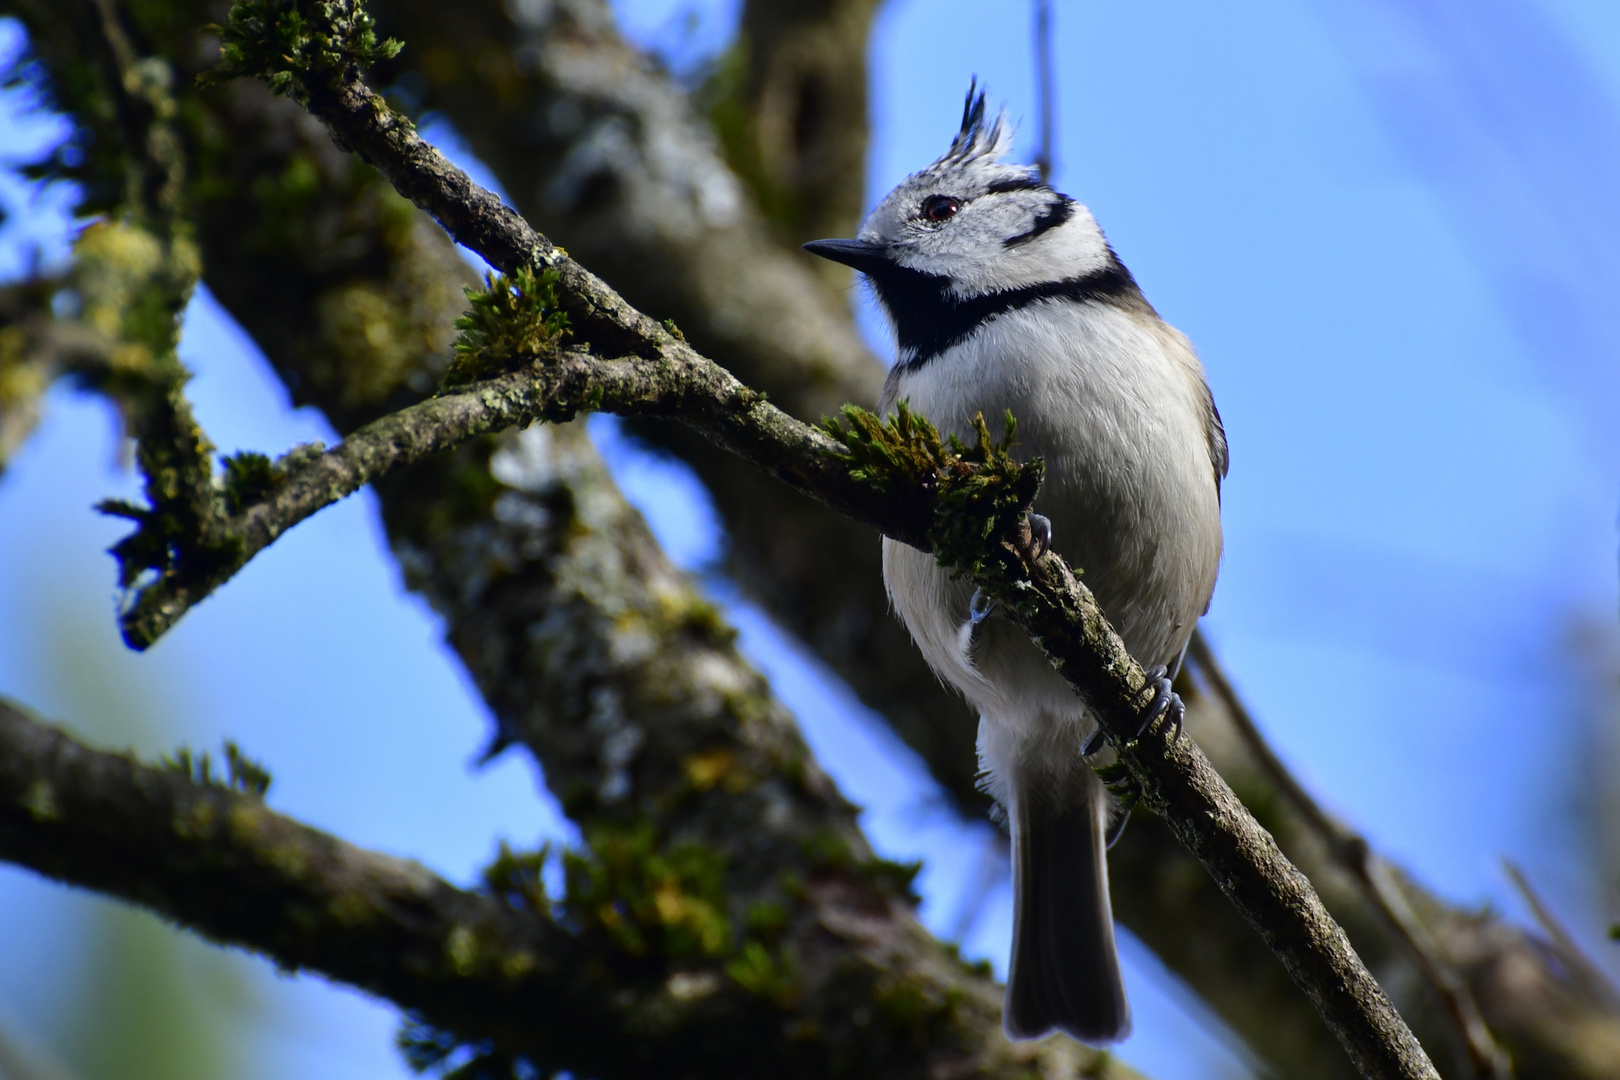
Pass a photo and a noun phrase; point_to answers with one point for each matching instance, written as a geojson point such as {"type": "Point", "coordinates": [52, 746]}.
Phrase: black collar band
{"type": "Point", "coordinates": [928, 319]}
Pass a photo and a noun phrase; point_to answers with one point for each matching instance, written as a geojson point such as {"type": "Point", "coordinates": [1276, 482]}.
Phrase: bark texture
{"type": "Point", "coordinates": [215, 859]}
{"type": "Point", "coordinates": [780, 948]}
{"type": "Point", "coordinates": [1160, 892]}
{"type": "Point", "coordinates": [345, 258]}
{"type": "Point", "coordinates": [599, 149]}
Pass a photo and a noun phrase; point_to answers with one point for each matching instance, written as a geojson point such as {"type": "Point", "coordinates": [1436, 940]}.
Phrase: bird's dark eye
{"type": "Point", "coordinates": [940, 207]}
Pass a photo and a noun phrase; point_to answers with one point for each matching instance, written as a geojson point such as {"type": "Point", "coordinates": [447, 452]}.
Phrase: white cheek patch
{"type": "Point", "coordinates": [1071, 250]}
{"type": "Point", "coordinates": [973, 255]}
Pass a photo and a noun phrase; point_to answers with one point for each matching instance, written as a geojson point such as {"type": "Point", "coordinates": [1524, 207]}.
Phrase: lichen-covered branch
{"type": "Point", "coordinates": [1043, 595]}
{"type": "Point", "coordinates": [598, 148]}
{"type": "Point", "coordinates": [676, 383]}
{"type": "Point", "coordinates": [554, 985]}
{"type": "Point", "coordinates": [218, 861]}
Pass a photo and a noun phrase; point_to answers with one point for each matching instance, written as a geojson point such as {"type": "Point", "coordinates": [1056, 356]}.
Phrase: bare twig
{"type": "Point", "coordinates": [1045, 88]}
{"type": "Point", "coordinates": [1592, 977]}
{"type": "Point", "coordinates": [1377, 882]}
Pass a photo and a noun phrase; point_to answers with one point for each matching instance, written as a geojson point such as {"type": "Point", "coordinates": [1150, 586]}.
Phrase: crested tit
{"type": "Point", "coordinates": [1004, 295]}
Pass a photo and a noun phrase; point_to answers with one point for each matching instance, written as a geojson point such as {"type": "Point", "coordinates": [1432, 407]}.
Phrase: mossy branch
{"type": "Point", "coordinates": [512, 322]}
{"type": "Point", "coordinates": [284, 42]}
{"type": "Point", "coordinates": [638, 968]}
{"type": "Point", "coordinates": [978, 492]}
{"type": "Point", "coordinates": [655, 373]}
{"type": "Point", "coordinates": [214, 858]}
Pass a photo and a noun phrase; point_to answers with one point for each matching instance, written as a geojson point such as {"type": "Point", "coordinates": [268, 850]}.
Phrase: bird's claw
{"type": "Point", "coordinates": [1116, 828]}
{"type": "Point", "coordinates": [980, 607]}
{"type": "Point", "coordinates": [1165, 700]}
{"type": "Point", "coordinates": [1093, 744]}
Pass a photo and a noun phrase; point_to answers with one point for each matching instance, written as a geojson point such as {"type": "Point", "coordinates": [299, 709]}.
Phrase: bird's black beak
{"type": "Point", "coordinates": [859, 254]}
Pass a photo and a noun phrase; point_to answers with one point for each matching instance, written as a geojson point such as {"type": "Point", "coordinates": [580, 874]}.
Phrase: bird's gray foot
{"type": "Point", "coordinates": [1165, 700]}
{"type": "Point", "coordinates": [1040, 535]}
{"type": "Point", "coordinates": [980, 607]}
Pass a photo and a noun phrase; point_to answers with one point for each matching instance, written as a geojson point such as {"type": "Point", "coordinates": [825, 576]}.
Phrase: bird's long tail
{"type": "Point", "coordinates": [1065, 970]}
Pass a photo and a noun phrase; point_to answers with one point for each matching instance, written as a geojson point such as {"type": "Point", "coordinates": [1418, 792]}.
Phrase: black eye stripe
{"type": "Point", "coordinates": [1022, 183]}
{"type": "Point", "coordinates": [1055, 214]}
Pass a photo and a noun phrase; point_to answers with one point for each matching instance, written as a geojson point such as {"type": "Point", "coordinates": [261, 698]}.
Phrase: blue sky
{"type": "Point", "coordinates": [1390, 229]}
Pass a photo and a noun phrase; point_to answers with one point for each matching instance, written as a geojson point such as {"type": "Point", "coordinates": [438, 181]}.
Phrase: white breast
{"type": "Point", "coordinates": [1114, 400]}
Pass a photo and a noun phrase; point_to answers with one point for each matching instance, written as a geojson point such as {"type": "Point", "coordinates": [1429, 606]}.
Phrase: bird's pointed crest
{"type": "Point", "coordinates": [977, 139]}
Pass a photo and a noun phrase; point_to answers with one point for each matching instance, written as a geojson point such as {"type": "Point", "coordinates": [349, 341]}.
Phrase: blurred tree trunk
{"type": "Point", "coordinates": [590, 649]}
{"type": "Point", "coordinates": [600, 150]}
{"type": "Point", "coordinates": [1160, 892]}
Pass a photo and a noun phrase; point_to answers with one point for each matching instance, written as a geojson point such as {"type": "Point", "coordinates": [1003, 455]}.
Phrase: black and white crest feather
{"type": "Point", "coordinates": [1009, 242]}
{"type": "Point", "coordinates": [976, 139]}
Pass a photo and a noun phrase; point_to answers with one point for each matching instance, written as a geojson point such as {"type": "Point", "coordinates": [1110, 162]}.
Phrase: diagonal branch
{"type": "Point", "coordinates": [676, 382]}
{"type": "Point", "coordinates": [1576, 963]}
{"type": "Point", "coordinates": [609, 156]}
{"type": "Point", "coordinates": [1042, 594]}
{"type": "Point", "coordinates": [1373, 875]}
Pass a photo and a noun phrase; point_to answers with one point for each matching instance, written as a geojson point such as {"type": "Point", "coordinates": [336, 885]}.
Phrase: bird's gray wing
{"type": "Point", "coordinates": [1215, 432]}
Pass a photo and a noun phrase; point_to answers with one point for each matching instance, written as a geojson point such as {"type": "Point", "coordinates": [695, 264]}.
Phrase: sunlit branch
{"type": "Point", "coordinates": [1041, 593]}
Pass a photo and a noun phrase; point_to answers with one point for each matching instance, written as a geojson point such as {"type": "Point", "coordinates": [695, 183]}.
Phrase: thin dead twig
{"type": "Point", "coordinates": [1372, 875]}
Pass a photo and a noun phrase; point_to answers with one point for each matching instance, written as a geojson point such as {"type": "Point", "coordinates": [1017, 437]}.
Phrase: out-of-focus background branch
{"type": "Point", "coordinates": [742, 516]}
{"type": "Point", "coordinates": [692, 205]}
{"type": "Point", "coordinates": [604, 153]}
{"type": "Point", "coordinates": [590, 651]}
